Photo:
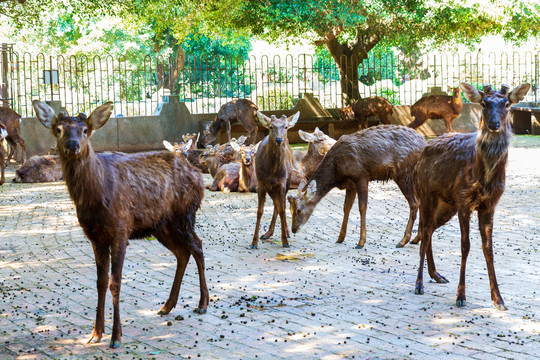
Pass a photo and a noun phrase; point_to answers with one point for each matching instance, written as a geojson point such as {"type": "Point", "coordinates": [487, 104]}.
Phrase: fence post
{"type": "Point", "coordinates": [5, 52]}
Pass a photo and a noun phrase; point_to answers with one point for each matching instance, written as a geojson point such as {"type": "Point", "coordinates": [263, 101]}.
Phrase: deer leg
{"type": "Point", "coordinates": [196, 249]}
{"type": "Point", "coordinates": [12, 147]}
{"type": "Point", "coordinates": [362, 191]}
{"type": "Point", "coordinates": [272, 226]}
{"type": "Point", "coordinates": [279, 203]}
{"type": "Point", "coordinates": [2, 165]}
{"type": "Point", "coordinates": [443, 213]}
{"type": "Point", "coordinates": [350, 195]}
{"type": "Point", "coordinates": [406, 187]}
{"type": "Point", "coordinates": [485, 221]}
{"type": "Point", "coordinates": [118, 253]}
{"type": "Point", "coordinates": [228, 128]}
{"type": "Point", "coordinates": [260, 209]}
{"type": "Point", "coordinates": [425, 231]}
{"type": "Point", "coordinates": [102, 260]}
{"type": "Point", "coordinates": [20, 141]}
{"type": "Point", "coordinates": [464, 222]}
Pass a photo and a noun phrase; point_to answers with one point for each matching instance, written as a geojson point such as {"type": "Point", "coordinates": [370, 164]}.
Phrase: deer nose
{"type": "Point", "coordinates": [494, 125]}
{"type": "Point", "coordinates": [73, 145]}
{"type": "Point", "coordinates": [279, 141]}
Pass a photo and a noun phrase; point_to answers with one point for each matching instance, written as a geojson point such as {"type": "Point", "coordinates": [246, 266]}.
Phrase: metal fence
{"type": "Point", "coordinates": [273, 83]}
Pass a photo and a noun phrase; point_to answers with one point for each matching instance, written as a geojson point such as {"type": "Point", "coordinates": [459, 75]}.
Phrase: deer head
{"type": "Point", "coordinates": [72, 133]}
{"type": "Point", "coordinates": [495, 104]}
{"type": "Point", "coordinates": [346, 113]}
{"type": "Point", "coordinates": [181, 148]}
{"type": "Point", "coordinates": [278, 126]}
{"type": "Point", "coordinates": [246, 152]}
{"type": "Point", "coordinates": [318, 139]}
{"type": "Point", "coordinates": [302, 204]}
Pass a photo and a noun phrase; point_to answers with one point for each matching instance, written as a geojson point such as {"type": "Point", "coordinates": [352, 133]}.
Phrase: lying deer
{"type": "Point", "coordinates": [460, 173]}
{"type": "Point", "coordinates": [437, 107]}
{"type": "Point", "coordinates": [241, 110]}
{"type": "Point", "coordinates": [273, 169]}
{"type": "Point", "coordinates": [361, 109]}
{"type": "Point", "coordinates": [39, 169]}
{"type": "Point", "coordinates": [120, 197]}
{"type": "Point", "coordinates": [381, 153]}
{"type": "Point", "coordinates": [3, 135]}
{"type": "Point", "coordinates": [247, 181]}
{"type": "Point", "coordinates": [12, 123]}
{"type": "Point", "coordinates": [186, 150]}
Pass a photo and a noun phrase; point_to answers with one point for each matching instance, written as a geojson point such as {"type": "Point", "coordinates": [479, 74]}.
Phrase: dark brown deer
{"type": "Point", "coordinates": [247, 181]}
{"type": "Point", "coordinates": [381, 153]}
{"type": "Point", "coordinates": [364, 108]}
{"type": "Point", "coordinates": [120, 197]}
{"type": "Point", "coordinates": [273, 168]}
{"type": "Point", "coordinates": [241, 110]}
{"type": "Point", "coordinates": [12, 122]}
{"type": "Point", "coordinates": [3, 135]}
{"type": "Point", "coordinates": [39, 169]}
{"type": "Point", "coordinates": [319, 144]}
{"type": "Point", "coordinates": [460, 173]}
{"type": "Point", "coordinates": [443, 107]}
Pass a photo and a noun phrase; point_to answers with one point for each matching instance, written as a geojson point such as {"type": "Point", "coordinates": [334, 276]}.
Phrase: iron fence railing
{"type": "Point", "coordinates": [206, 83]}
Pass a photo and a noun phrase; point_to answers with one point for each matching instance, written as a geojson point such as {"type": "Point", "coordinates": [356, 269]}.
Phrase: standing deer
{"type": "Point", "coordinates": [247, 181]}
{"type": "Point", "coordinates": [381, 153]}
{"type": "Point", "coordinates": [361, 109]}
{"type": "Point", "coordinates": [12, 122]}
{"type": "Point", "coordinates": [241, 110]}
{"type": "Point", "coordinates": [273, 168]}
{"type": "Point", "coordinates": [3, 135]}
{"type": "Point", "coordinates": [120, 197]}
{"type": "Point", "coordinates": [460, 173]}
{"type": "Point", "coordinates": [437, 107]}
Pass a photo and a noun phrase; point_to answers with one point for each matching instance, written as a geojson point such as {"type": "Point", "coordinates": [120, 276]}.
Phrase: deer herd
{"type": "Point", "coordinates": [128, 196]}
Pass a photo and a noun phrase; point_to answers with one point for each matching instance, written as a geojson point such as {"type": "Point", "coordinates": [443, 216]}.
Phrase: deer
{"type": "Point", "coordinates": [3, 135]}
{"type": "Point", "coordinates": [186, 150]}
{"type": "Point", "coordinates": [319, 144]}
{"type": "Point", "coordinates": [12, 121]}
{"type": "Point", "coordinates": [241, 110]}
{"type": "Point", "coordinates": [361, 109]}
{"type": "Point", "coordinates": [383, 152]}
{"type": "Point", "coordinates": [127, 196]}
{"type": "Point", "coordinates": [273, 169]}
{"type": "Point", "coordinates": [39, 169]}
{"type": "Point", "coordinates": [460, 173]}
{"type": "Point", "coordinates": [247, 181]}
{"type": "Point", "coordinates": [443, 107]}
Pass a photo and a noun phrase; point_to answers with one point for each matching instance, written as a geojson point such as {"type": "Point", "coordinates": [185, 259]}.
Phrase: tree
{"type": "Point", "coordinates": [350, 29]}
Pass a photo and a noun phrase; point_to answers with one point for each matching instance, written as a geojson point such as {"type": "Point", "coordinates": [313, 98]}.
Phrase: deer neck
{"type": "Point", "coordinates": [492, 153]}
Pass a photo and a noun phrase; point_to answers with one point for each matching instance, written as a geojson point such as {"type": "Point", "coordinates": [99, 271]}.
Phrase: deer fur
{"type": "Point", "coordinates": [119, 197]}
{"type": "Point", "coordinates": [39, 169]}
{"type": "Point", "coordinates": [3, 135]}
{"type": "Point", "coordinates": [461, 173]}
{"type": "Point", "coordinates": [273, 168]}
{"type": "Point", "coordinates": [12, 122]}
{"type": "Point", "coordinates": [241, 110]}
{"type": "Point", "coordinates": [443, 107]}
{"type": "Point", "coordinates": [319, 144]}
{"type": "Point", "coordinates": [361, 109]}
{"type": "Point", "coordinates": [247, 181]}
{"type": "Point", "coordinates": [381, 153]}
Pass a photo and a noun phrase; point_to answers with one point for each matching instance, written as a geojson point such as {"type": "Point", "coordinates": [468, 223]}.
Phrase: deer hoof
{"type": "Point", "coordinates": [359, 246]}
{"type": "Point", "coordinates": [440, 279]}
{"type": "Point", "coordinates": [419, 290]}
{"type": "Point", "coordinates": [163, 311]}
{"type": "Point", "coordinates": [399, 245]}
{"type": "Point", "coordinates": [200, 311]}
{"type": "Point", "coordinates": [501, 307]}
{"type": "Point", "coordinates": [115, 344]}
{"type": "Point", "coordinates": [460, 303]}
{"type": "Point", "coordinates": [286, 245]}
{"type": "Point", "coordinates": [254, 247]}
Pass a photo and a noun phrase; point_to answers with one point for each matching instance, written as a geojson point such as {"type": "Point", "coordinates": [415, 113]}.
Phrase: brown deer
{"type": "Point", "coordinates": [39, 169]}
{"type": "Point", "coordinates": [364, 108]}
{"type": "Point", "coordinates": [443, 107]}
{"type": "Point", "coordinates": [241, 110]}
{"type": "Point", "coordinates": [273, 168]}
{"type": "Point", "coordinates": [319, 144]}
{"type": "Point", "coordinates": [381, 153]}
{"type": "Point", "coordinates": [186, 150]}
{"type": "Point", "coordinates": [3, 135]}
{"type": "Point", "coordinates": [12, 122]}
{"type": "Point", "coordinates": [247, 181]}
{"type": "Point", "coordinates": [120, 197]}
{"type": "Point", "coordinates": [460, 173]}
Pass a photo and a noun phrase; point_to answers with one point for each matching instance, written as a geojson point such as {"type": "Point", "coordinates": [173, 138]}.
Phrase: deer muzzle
{"type": "Point", "coordinates": [73, 147]}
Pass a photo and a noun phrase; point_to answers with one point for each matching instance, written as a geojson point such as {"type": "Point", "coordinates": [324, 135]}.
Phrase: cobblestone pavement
{"type": "Point", "coordinates": [316, 300]}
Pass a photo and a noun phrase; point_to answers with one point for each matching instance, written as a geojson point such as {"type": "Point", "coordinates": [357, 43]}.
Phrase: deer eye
{"type": "Point", "coordinates": [483, 104]}
{"type": "Point", "coordinates": [298, 211]}
{"type": "Point", "coordinates": [58, 131]}
{"type": "Point", "coordinates": [85, 131]}
{"type": "Point", "coordinates": [507, 105]}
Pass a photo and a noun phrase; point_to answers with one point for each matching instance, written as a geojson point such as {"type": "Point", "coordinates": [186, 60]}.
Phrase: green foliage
{"type": "Point", "coordinates": [275, 99]}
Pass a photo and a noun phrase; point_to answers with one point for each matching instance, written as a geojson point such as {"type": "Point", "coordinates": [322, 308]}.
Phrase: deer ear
{"type": "Point", "coordinates": [305, 136]}
{"type": "Point", "coordinates": [235, 146]}
{"type": "Point", "coordinates": [302, 185]}
{"type": "Point", "coordinates": [188, 144]}
{"type": "Point", "coordinates": [256, 147]}
{"type": "Point", "coordinates": [471, 93]}
{"type": "Point", "coordinates": [311, 189]}
{"type": "Point", "coordinates": [100, 115]}
{"type": "Point", "coordinates": [292, 199]}
{"type": "Point", "coordinates": [264, 120]}
{"type": "Point", "coordinates": [44, 113]}
{"type": "Point", "coordinates": [518, 93]}
{"type": "Point", "coordinates": [168, 146]}
{"type": "Point", "coordinates": [241, 140]}
{"type": "Point", "coordinates": [293, 119]}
